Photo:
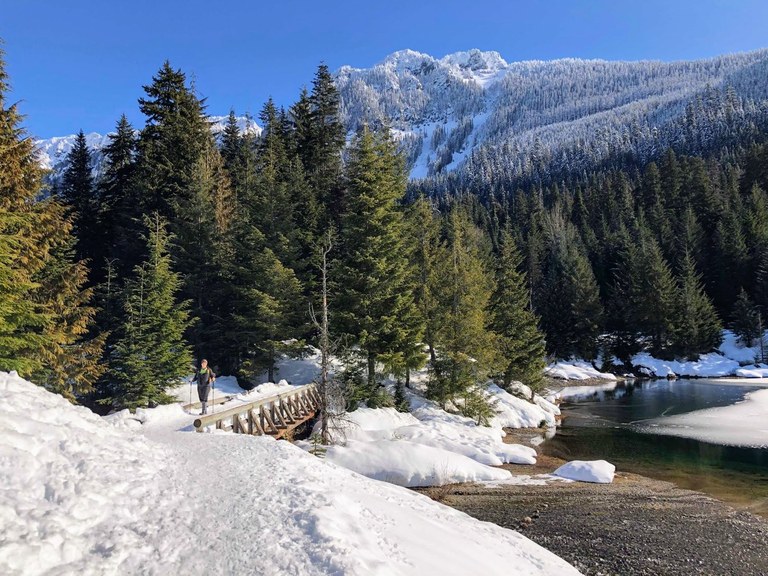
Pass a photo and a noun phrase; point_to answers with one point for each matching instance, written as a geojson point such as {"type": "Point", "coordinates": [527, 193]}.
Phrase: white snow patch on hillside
{"type": "Point", "coordinates": [576, 370]}
{"type": "Point", "coordinates": [732, 348]}
{"type": "Point", "coordinates": [742, 424]}
{"type": "Point", "coordinates": [707, 366]}
{"type": "Point", "coordinates": [79, 495]}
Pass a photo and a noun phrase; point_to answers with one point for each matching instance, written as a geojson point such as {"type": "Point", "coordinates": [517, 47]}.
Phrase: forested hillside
{"type": "Point", "coordinates": [471, 121]}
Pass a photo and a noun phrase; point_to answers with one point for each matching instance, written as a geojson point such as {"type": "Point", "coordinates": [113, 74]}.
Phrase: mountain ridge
{"type": "Point", "coordinates": [473, 115]}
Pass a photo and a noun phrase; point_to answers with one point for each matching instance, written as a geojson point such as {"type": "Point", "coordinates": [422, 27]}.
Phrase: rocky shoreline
{"type": "Point", "coordinates": [635, 526]}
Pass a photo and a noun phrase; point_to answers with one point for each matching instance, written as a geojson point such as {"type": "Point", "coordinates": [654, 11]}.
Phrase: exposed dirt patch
{"type": "Point", "coordinates": [635, 526]}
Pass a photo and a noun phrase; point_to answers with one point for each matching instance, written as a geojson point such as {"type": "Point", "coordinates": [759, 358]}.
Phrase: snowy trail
{"type": "Point", "coordinates": [323, 519]}
{"type": "Point", "coordinates": [83, 495]}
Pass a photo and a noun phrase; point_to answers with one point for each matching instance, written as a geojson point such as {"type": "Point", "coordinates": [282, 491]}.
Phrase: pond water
{"type": "Point", "coordinates": [606, 425]}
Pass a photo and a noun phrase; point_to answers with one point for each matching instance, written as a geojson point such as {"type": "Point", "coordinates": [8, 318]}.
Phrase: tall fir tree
{"type": "Point", "coordinates": [746, 321]}
{"type": "Point", "coordinates": [44, 309]}
{"type": "Point", "coordinates": [569, 300]}
{"type": "Point", "coordinates": [78, 193]}
{"type": "Point", "coordinates": [72, 359]}
{"type": "Point", "coordinates": [375, 301]}
{"type": "Point", "coordinates": [519, 341]}
{"type": "Point", "coordinates": [464, 345]}
{"type": "Point", "coordinates": [698, 329]}
{"type": "Point", "coordinates": [326, 142]}
{"type": "Point", "coordinates": [151, 352]}
{"type": "Point", "coordinates": [429, 251]}
{"type": "Point", "coordinates": [118, 209]}
{"type": "Point", "coordinates": [655, 297]}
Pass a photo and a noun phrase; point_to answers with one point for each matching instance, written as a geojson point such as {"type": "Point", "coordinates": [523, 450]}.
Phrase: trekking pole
{"type": "Point", "coordinates": [190, 395]}
{"type": "Point", "coordinates": [213, 396]}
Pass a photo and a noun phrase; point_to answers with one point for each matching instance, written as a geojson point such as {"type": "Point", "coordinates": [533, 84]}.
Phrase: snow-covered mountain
{"type": "Point", "coordinates": [53, 151]}
{"type": "Point", "coordinates": [486, 120]}
{"type": "Point", "coordinates": [475, 112]}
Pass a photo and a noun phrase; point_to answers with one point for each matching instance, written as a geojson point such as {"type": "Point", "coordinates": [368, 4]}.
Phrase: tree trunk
{"type": "Point", "coordinates": [371, 370]}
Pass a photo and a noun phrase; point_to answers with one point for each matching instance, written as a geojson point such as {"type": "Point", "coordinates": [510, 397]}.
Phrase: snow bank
{"type": "Point", "coordinates": [515, 412]}
{"type": "Point", "coordinates": [742, 424]}
{"type": "Point", "coordinates": [429, 447]}
{"type": "Point", "coordinates": [81, 495]}
{"type": "Point", "coordinates": [733, 349]}
{"type": "Point", "coordinates": [76, 494]}
{"type": "Point", "coordinates": [576, 370]}
{"type": "Point", "coordinates": [411, 464]}
{"type": "Point", "coordinates": [756, 371]}
{"type": "Point", "coordinates": [707, 366]}
{"type": "Point", "coordinates": [575, 392]}
{"type": "Point", "coordinates": [598, 471]}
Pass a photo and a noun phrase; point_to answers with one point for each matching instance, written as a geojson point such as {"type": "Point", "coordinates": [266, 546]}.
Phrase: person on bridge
{"type": "Point", "coordinates": [205, 379]}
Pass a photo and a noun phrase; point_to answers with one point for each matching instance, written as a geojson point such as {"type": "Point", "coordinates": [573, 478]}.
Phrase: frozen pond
{"type": "Point", "coordinates": [617, 425]}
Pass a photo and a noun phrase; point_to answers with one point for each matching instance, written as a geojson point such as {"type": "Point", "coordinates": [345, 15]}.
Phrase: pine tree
{"type": "Point", "coordinates": [182, 177]}
{"type": "Point", "coordinates": [697, 328]}
{"type": "Point", "coordinates": [118, 209]}
{"type": "Point", "coordinates": [278, 317]}
{"type": "Point", "coordinates": [746, 322]}
{"type": "Point", "coordinates": [44, 311]}
{"type": "Point", "coordinates": [428, 253]}
{"type": "Point", "coordinates": [78, 193]}
{"type": "Point", "coordinates": [569, 302]}
{"type": "Point", "coordinates": [21, 255]}
{"type": "Point", "coordinates": [72, 360]}
{"type": "Point", "coordinates": [375, 303]}
{"type": "Point", "coordinates": [464, 344]}
{"type": "Point", "coordinates": [325, 145]}
{"type": "Point", "coordinates": [273, 199]}
{"type": "Point", "coordinates": [655, 297]}
{"type": "Point", "coordinates": [151, 353]}
{"type": "Point", "coordinates": [515, 326]}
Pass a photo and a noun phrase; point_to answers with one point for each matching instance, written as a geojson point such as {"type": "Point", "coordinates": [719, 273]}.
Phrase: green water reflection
{"type": "Point", "coordinates": [604, 426]}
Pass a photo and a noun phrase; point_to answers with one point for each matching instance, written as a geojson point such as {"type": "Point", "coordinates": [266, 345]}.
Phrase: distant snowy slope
{"type": "Point", "coordinates": [79, 495]}
{"type": "Point", "coordinates": [519, 118]}
{"type": "Point", "coordinates": [52, 152]}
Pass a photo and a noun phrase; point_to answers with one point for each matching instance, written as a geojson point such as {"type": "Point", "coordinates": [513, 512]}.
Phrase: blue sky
{"type": "Point", "coordinates": [77, 64]}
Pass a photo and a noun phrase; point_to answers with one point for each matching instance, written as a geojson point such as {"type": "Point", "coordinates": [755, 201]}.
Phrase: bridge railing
{"type": "Point", "coordinates": [273, 415]}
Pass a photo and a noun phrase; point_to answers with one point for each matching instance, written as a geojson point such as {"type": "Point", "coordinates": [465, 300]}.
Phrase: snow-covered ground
{"type": "Point", "coordinates": [742, 424]}
{"type": "Point", "coordinates": [569, 393]}
{"type": "Point", "coordinates": [144, 495]}
{"type": "Point", "coordinates": [576, 370]}
{"type": "Point", "coordinates": [730, 359]}
{"type": "Point", "coordinates": [425, 447]}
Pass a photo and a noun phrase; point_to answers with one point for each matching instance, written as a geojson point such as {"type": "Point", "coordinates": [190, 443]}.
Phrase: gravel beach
{"type": "Point", "coordinates": [635, 526]}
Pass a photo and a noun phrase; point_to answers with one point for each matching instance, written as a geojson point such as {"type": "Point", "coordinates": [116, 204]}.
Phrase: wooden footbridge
{"type": "Point", "coordinates": [272, 416]}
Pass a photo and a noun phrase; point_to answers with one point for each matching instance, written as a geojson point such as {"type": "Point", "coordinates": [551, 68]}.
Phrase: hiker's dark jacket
{"type": "Point", "coordinates": [204, 377]}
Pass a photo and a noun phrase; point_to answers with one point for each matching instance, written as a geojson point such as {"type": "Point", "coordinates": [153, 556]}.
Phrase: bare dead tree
{"type": "Point", "coordinates": [328, 405]}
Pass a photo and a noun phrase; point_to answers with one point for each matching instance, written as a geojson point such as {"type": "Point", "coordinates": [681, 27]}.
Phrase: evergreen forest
{"type": "Point", "coordinates": [189, 245]}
